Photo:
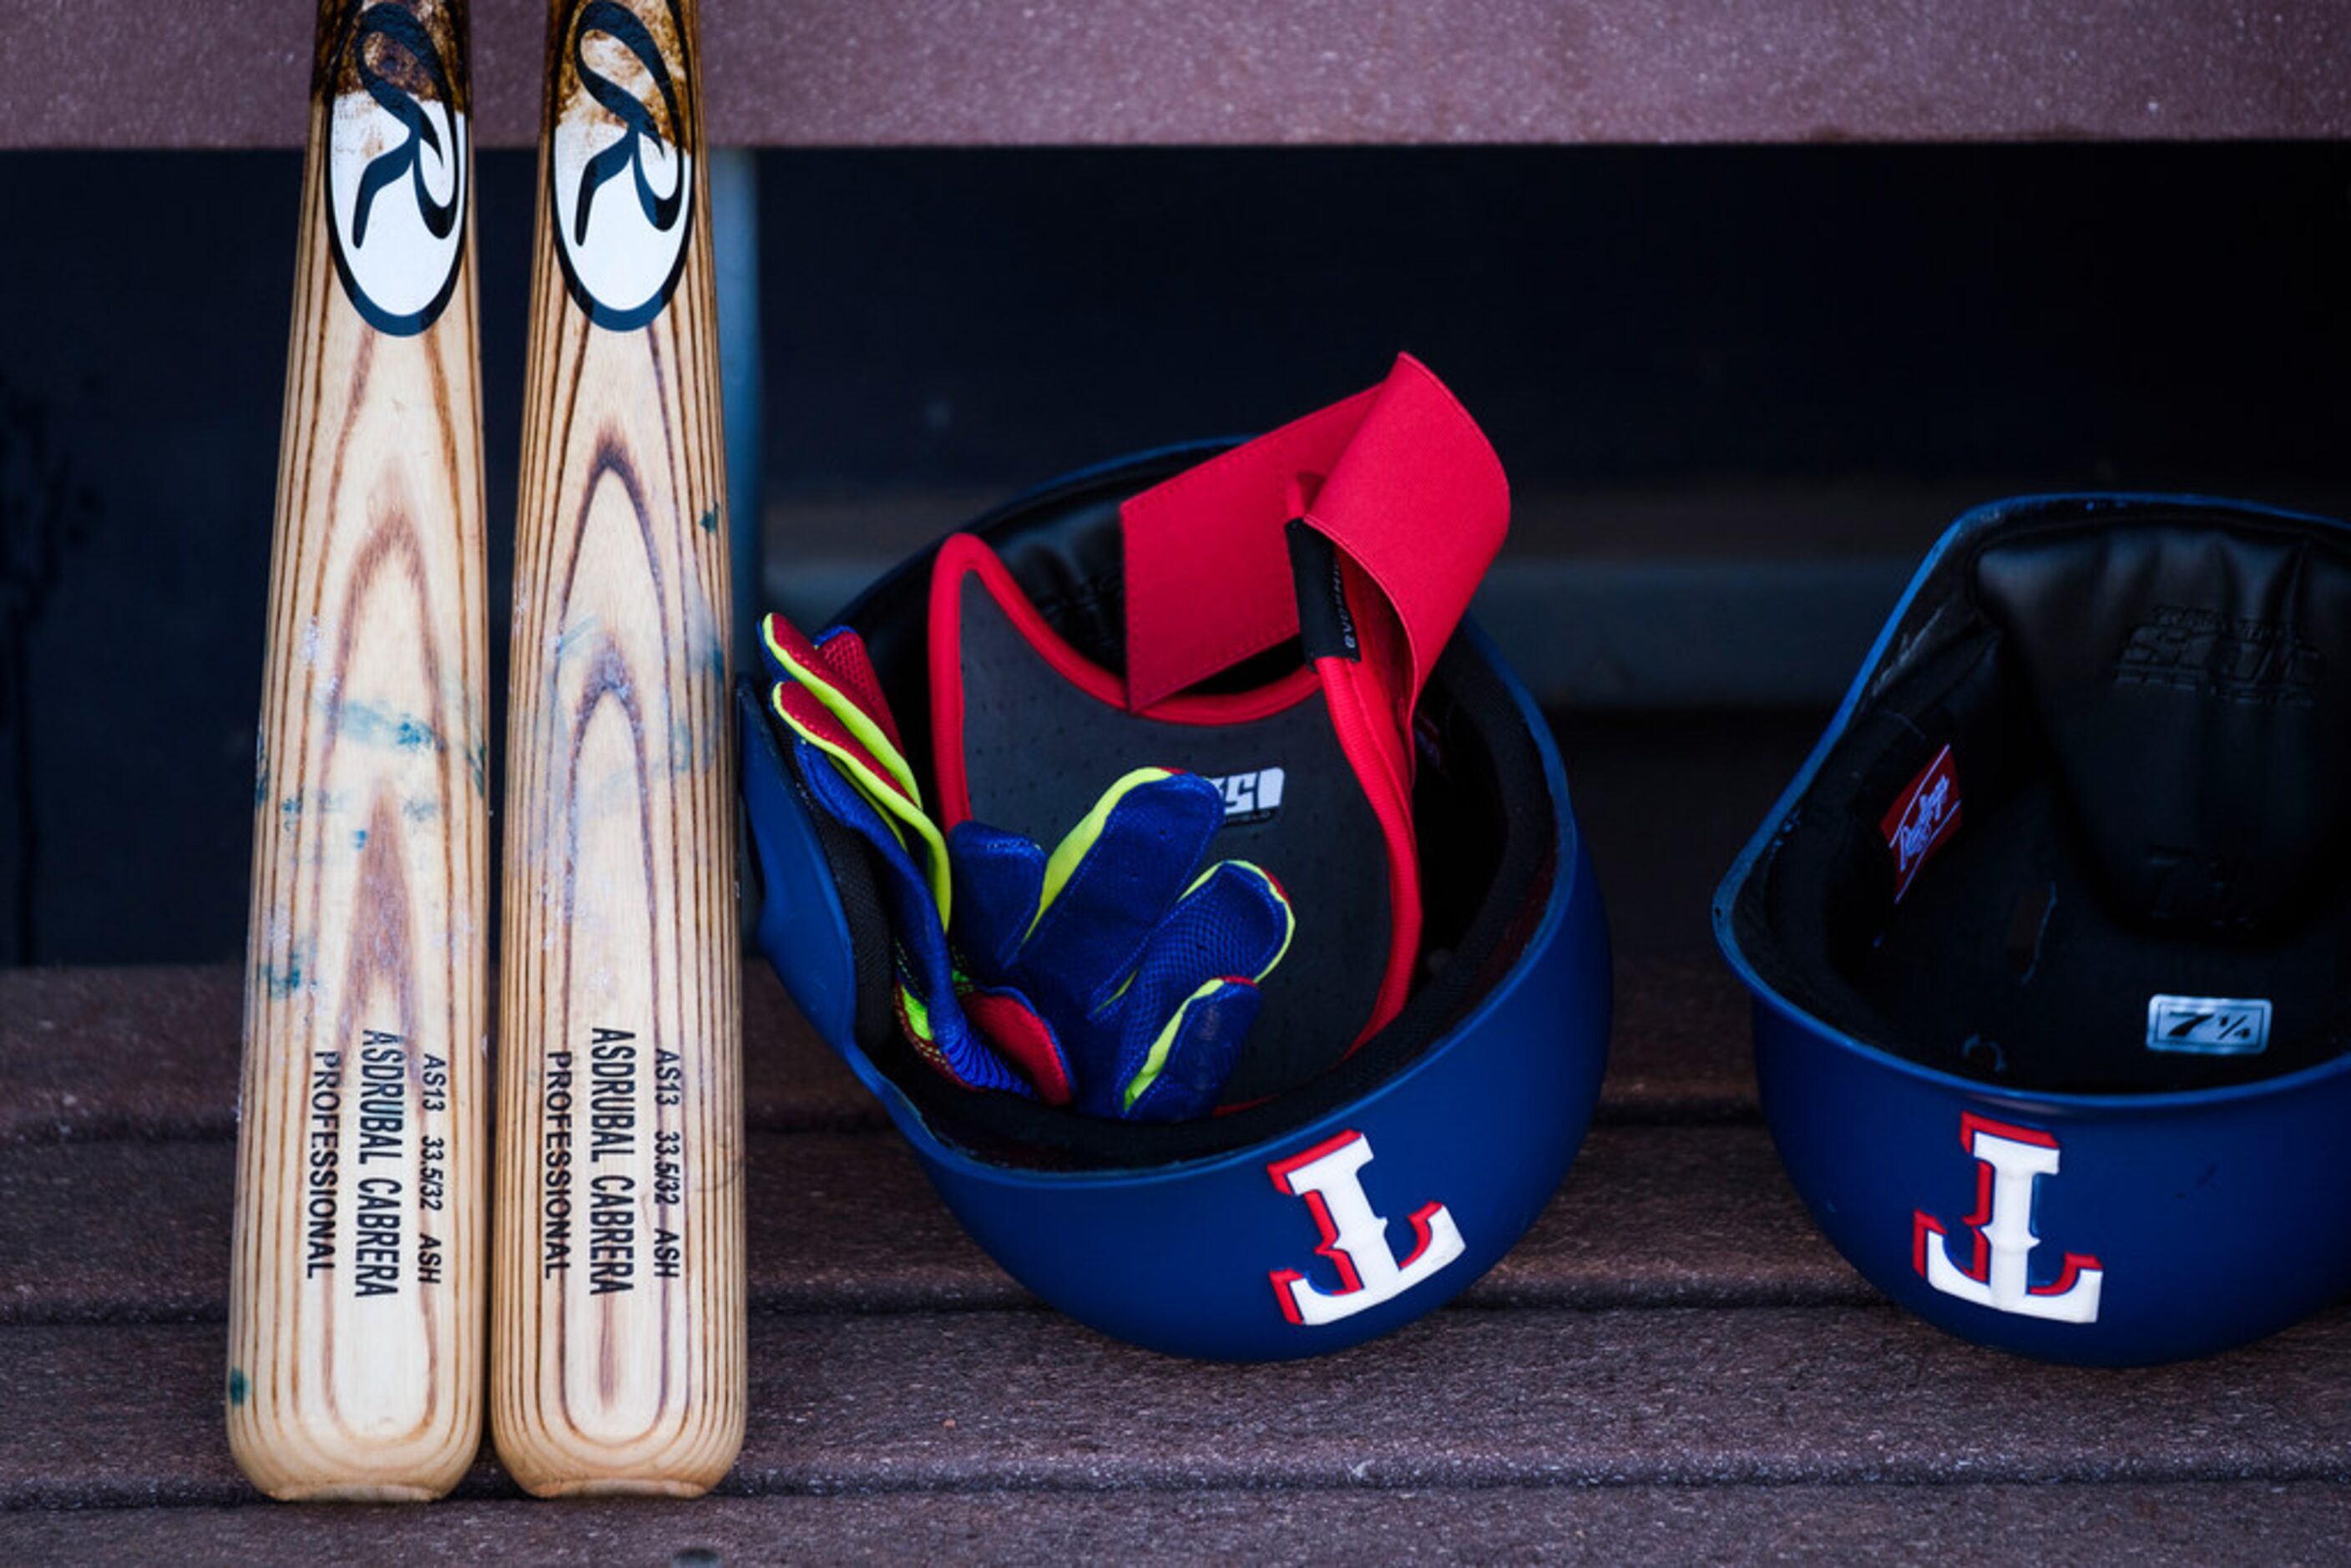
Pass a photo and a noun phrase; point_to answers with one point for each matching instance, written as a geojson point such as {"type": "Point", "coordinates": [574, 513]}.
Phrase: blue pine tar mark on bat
{"type": "Point", "coordinates": [690, 752]}
{"type": "Point", "coordinates": [371, 724]}
{"type": "Point", "coordinates": [293, 808]}
{"type": "Point", "coordinates": [575, 637]}
{"type": "Point", "coordinates": [283, 982]}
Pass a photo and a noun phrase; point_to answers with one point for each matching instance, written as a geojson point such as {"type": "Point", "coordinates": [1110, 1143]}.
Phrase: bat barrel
{"type": "Point", "coordinates": [618, 1343]}
{"type": "Point", "coordinates": [357, 1282]}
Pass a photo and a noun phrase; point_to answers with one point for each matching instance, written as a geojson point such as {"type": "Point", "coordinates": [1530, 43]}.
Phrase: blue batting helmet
{"type": "Point", "coordinates": [1377, 1175]}
{"type": "Point", "coordinates": [2048, 938]}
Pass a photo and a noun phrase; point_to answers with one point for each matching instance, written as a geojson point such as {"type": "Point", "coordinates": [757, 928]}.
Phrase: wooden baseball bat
{"type": "Point", "coordinates": [617, 1345]}
{"type": "Point", "coordinates": [355, 1289]}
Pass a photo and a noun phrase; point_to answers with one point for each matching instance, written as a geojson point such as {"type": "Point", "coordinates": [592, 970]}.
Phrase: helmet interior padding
{"type": "Point", "coordinates": [1037, 751]}
{"type": "Point", "coordinates": [2147, 720]}
{"type": "Point", "coordinates": [1482, 808]}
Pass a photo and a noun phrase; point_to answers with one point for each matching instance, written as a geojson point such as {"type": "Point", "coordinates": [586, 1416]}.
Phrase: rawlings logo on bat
{"type": "Point", "coordinates": [619, 157]}
{"type": "Point", "coordinates": [398, 159]}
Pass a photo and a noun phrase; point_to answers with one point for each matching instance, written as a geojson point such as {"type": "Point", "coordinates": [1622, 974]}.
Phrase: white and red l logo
{"type": "Point", "coordinates": [2008, 1162]}
{"type": "Point", "coordinates": [1354, 1238]}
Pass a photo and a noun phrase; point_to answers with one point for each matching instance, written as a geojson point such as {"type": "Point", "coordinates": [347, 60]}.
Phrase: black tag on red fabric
{"type": "Point", "coordinates": [1326, 627]}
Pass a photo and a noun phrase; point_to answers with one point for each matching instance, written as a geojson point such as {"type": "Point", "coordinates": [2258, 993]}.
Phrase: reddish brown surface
{"type": "Point", "coordinates": [119, 73]}
{"type": "Point", "coordinates": [123, 1416]}
{"type": "Point", "coordinates": [2203, 1522]}
{"type": "Point", "coordinates": [152, 1054]}
{"type": "Point", "coordinates": [1672, 1365]}
{"type": "Point", "coordinates": [844, 1222]}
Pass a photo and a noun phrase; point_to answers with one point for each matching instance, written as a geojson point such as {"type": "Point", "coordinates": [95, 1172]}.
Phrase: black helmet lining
{"type": "Point", "coordinates": [1483, 813]}
{"type": "Point", "coordinates": [2148, 723]}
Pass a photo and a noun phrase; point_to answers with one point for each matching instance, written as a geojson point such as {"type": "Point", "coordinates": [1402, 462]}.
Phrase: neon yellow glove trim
{"type": "Point", "coordinates": [854, 719]}
{"type": "Point", "coordinates": [1063, 863]}
{"type": "Point", "coordinates": [918, 1016]}
{"type": "Point", "coordinates": [1288, 914]}
{"type": "Point", "coordinates": [888, 801]}
{"type": "Point", "coordinates": [1156, 1063]}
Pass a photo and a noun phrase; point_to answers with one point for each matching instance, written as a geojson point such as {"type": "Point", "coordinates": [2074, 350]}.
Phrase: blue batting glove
{"type": "Point", "coordinates": [1145, 968]}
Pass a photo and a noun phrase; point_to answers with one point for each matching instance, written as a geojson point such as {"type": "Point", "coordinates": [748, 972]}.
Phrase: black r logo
{"type": "Point", "coordinates": [404, 32]}
{"type": "Point", "coordinates": [617, 22]}
{"type": "Point", "coordinates": [621, 107]}
{"type": "Point", "coordinates": [398, 163]}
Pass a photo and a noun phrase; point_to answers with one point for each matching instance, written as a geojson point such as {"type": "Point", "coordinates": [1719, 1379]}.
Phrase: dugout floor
{"type": "Point", "coordinates": [1673, 1365]}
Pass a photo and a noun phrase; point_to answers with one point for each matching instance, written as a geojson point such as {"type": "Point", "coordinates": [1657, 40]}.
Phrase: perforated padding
{"type": "Point", "coordinates": [2193, 686]}
{"type": "Point", "coordinates": [2146, 710]}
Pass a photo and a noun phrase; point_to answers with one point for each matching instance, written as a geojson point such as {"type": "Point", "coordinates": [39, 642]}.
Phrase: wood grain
{"type": "Point", "coordinates": [355, 1300]}
{"type": "Point", "coordinates": [618, 1317]}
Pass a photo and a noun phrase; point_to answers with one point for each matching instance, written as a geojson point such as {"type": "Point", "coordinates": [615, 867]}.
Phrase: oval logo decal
{"type": "Point", "coordinates": [398, 158]}
{"type": "Point", "coordinates": [620, 159]}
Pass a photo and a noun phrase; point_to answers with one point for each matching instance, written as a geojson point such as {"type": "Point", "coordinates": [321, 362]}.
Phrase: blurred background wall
{"type": "Point", "coordinates": [1737, 390]}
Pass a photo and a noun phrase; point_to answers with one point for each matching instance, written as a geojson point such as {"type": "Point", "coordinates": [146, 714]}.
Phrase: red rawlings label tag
{"type": "Point", "coordinates": [1922, 817]}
